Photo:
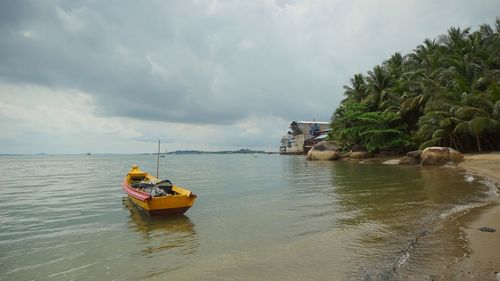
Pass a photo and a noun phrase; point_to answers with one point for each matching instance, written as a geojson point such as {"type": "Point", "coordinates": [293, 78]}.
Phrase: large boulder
{"type": "Point", "coordinates": [359, 154]}
{"type": "Point", "coordinates": [411, 158]}
{"type": "Point", "coordinates": [414, 154]}
{"type": "Point", "coordinates": [440, 155]}
{"type": "Point", "coordinates": [407, 160]}
{"type": "Point", "coordinates": [324, 150]}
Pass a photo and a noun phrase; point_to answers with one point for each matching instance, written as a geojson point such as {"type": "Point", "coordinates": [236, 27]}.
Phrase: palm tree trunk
{"type": "Point", "coordinates": [453, 143]}
{"type": "Point", "coordinates": [489, 143]}
{"type": "Point", "coordinates": [459, 144]}
{"type": "Point", "coordinates": [478, 144]}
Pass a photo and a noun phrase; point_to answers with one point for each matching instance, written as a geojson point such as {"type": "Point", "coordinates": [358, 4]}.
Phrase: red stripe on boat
{"type": "Point", "coordinates": [143, 196]}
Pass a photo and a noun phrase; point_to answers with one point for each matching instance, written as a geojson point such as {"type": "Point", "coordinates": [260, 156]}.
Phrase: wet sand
{"type": "Point", "coordinates": [484, 259]}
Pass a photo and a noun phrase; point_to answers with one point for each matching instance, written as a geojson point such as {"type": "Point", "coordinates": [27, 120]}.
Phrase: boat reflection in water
{"type": "Point", "coordinates": [161, 235]}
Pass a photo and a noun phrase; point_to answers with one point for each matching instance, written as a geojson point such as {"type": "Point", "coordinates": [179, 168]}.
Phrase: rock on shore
{"type": "Point", "coordinates": [440, 155]}
{"type": "Point", "coordinates": [411, 158]}
{"type": "Point", "coordinates": [360, 154]}
{"type": "Point", "coordinates": [324, 150]}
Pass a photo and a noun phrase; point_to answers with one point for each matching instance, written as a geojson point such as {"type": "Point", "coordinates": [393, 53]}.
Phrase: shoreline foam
{"type": "Point", "coordinates": [484, 259]}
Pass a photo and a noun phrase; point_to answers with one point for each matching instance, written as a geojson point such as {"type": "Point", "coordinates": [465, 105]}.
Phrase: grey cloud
{"type": "Point", "coordinates": [171, 62]}
{"type": "Point", "coordinates": [212, 62]}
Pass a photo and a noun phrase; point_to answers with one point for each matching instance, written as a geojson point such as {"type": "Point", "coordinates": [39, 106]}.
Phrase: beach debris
{"type": "Point", "coordinates": [405, 254]}
{"type": "Point", "coordinates": [487, 229]}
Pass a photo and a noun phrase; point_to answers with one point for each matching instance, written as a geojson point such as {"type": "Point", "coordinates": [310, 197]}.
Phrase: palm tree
{"type": "Point", "coordinates": [395, 65]}
{"type": "Point", "coordinates": [379, 81]}
{"type": "Point", "coordinates": [357, 91]}
{"type": "Point", "coordinates": [477, 116]}
{"type": "Point", "coordinates": [455, 40]}
{"type": "Point", "coordinates": [426, 56]}
{"type": "Point", "coordinates": [462, 74]}
{"type": "Point", "coordinates": [446, 92]}
{"type": "Point", "coordinates": [437, 125]}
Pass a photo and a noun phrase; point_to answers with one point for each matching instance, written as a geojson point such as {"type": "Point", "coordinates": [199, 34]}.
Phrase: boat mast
{"type": "Point", "coordinates": [158, 160]}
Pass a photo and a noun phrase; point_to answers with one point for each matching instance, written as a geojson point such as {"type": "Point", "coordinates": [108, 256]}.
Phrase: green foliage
{"type": "Point", "coordinates": [446, 92]}
{"type": "Point", "coordinates": [354, 124]}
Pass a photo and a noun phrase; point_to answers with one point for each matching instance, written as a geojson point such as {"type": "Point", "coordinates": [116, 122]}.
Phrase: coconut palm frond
{"type": "Point", "coordinates": [431, 142]}
{"type": "Point", "coordinates": [440, 134]}
{"type": "Point", "coordinates": [461, 128]}
{"type": "Point", "coordinates": [480, 125]}
{"type": "Point", "coordinates": [469, 112]}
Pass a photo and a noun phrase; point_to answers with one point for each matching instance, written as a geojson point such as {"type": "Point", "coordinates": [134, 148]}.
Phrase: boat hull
{"type": "Point", "coordinates": [158, 211]}
{"type": "Point", "coordinates": [178, 203]}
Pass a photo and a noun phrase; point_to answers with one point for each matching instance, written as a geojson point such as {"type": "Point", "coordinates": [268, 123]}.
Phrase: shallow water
{"type": "Point", "coordinates": [266, 217]}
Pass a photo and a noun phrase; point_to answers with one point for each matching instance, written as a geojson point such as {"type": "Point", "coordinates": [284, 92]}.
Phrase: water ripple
{"type": "Point", "coordinates": [268, 217]}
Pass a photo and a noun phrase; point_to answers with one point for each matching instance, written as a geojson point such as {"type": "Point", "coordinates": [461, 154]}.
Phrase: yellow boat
{"type": "Point", "coordinates": [155, 196]}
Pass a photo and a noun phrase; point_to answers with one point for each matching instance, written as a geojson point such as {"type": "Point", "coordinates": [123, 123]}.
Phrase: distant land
{"type": "Point", "coordinates": [241, 151]}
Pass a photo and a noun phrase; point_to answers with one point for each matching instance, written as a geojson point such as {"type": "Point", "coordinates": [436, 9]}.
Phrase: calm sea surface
{"type": "Point", "coordinates": [258, 217]}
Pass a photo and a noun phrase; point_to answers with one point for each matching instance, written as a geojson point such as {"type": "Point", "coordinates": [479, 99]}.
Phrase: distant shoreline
{"type": "Point", "coordinates": [179, 152]}
{"type": "Point", "coordinates": [241, 151]}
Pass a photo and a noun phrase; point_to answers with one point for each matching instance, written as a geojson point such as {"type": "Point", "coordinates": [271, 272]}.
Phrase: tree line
{"type": "Point", "coordinates": [445, 93]}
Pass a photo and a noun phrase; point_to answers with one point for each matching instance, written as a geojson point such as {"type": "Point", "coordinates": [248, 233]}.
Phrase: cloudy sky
{"type": "Point", "coordinates": [115, 76]}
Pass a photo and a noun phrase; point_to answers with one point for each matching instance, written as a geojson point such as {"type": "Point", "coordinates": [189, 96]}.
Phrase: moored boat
{"type": "Point", "coordinates": [156, 196]}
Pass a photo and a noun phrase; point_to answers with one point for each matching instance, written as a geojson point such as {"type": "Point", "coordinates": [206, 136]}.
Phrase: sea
{"type": "Point", "coordinates": [257, 217]}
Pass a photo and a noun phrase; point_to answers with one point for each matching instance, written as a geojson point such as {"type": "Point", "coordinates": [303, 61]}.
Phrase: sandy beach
{"type": "Point", "coordinates": [484, 259]}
